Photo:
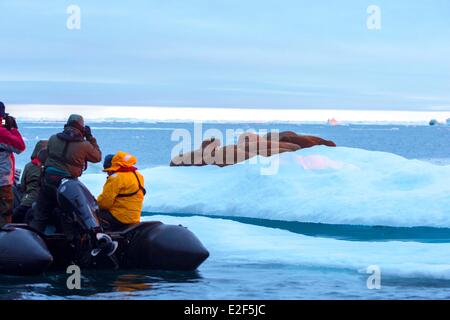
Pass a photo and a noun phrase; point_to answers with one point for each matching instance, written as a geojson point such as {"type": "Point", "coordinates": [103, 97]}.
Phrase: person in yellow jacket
{"type": "Point", "coordinates": [123, 193]}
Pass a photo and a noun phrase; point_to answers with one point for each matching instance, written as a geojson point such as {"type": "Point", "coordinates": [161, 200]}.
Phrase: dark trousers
{"type": "Point", "coordinates": [108, 222]}
{"type": "Point", "coordinates": [46, 203]}
{"type": "Point", "coordinates": [6, 205]}
{"type": "Point", "coordinates": [20, 214]}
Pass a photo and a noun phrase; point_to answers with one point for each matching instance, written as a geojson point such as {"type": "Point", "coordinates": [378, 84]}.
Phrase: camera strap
{"type": "Point", "coordinates": [141, 188]}
{"type": "Point", "coordinates": [63, 157]}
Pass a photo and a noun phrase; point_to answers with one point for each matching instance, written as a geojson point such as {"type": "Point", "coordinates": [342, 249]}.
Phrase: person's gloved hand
{"type": "Point", "coordinates": [10, 123]}
{"type": "Point", "coordinates": [88, 132]}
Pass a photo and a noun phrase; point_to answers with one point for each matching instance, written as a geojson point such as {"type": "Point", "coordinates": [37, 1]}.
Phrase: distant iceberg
{"type": "Point", "coordinates": [434, 122]}
{"type": "Point", "coordinates": [332, 122]}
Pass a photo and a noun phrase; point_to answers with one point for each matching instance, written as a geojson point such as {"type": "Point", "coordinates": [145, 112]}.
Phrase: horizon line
{"type": "Point", "coordinates": [46, 112]}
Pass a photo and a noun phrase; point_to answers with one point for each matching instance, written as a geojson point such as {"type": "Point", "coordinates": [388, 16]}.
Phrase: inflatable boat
{"type": "Point", "coordinates": [148, 245]}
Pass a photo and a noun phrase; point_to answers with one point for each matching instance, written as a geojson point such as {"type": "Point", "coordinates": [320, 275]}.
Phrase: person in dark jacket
{"type": "Point", "coordinates": [30, 183]}
{"type": "Point", "coordinates": [68, 153]}
{"type": "Point", "coordinates": [10, 142]}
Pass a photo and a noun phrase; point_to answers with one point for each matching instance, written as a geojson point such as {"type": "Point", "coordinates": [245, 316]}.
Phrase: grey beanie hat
{"type": "Point", "coordinates": [76, 121]}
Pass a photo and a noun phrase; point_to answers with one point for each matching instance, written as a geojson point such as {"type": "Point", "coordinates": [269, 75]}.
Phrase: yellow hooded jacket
{"type": "Point", "coordinates": [122, 196]}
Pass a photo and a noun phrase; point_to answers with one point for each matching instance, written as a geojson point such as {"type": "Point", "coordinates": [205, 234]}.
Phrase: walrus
{"type": "Point", "coordinates": [248, 146]}
{"type": "Point", "coordinates": [200, 157]}
{"type": "Point", "coordinates": [230, 155]}
{"type": "Point", "coordinates": [210, 153]}
{"type": "Point", "coordinates": [257, 145]}
{"type": "Point", "coordinates": [301, 140]}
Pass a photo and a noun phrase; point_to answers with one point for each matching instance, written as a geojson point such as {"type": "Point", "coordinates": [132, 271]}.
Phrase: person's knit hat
{"type": "Point", "coordinates": [2, 110]}
{"type": "Point", "coordinates": [76, 121]}
{"type": "Point", "coordinates": [108, 161]}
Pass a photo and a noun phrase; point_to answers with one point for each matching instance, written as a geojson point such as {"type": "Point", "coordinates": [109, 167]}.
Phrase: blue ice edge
{"type": "Point", "coordinates": [337, 231]}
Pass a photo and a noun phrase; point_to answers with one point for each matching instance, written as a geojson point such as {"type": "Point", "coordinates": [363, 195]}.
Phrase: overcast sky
{"type": "Point", "coordinates": [229, 53]}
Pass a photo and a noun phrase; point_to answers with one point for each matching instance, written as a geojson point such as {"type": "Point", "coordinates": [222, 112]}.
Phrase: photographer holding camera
{"type": "Point", "coordinates": [68, 153]}
{"type": "Point", "coordinates": [10, 142]}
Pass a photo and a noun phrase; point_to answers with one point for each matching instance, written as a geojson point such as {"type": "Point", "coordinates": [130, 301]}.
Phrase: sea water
{"type": "Point", "coordinates": [313, 230]}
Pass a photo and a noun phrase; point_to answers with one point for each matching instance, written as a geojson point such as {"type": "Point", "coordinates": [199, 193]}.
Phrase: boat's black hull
{"type": "Point", "coordinates": [149, 245]}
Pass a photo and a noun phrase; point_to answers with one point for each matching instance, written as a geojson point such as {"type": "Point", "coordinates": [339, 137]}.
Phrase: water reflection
{"type": "Point", "coordinates": [131, 283]}
{"type": "Point", "coordinates": [93, 282]}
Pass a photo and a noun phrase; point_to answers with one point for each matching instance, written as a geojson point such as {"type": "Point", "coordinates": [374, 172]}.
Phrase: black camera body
{"type": "Point", "coordinates": [3, 120]}
{"type": "Point", "coordinates": [9, 122]}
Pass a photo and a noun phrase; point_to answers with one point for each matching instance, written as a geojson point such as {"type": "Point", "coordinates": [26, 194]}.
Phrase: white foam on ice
{"type": "Point", "coordinates": [321, 185]}
{"type": "Point", "coordinates": [231, 242]}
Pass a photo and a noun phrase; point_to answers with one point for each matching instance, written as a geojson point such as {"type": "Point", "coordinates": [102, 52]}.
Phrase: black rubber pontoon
{"type": "Point", "coordinates": [23, 252]}
{"type": "Point", "coordinates": [148, 245]}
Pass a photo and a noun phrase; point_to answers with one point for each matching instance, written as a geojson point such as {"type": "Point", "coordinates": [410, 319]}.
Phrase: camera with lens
{"type": "Point", "coordinates": [9, 122]}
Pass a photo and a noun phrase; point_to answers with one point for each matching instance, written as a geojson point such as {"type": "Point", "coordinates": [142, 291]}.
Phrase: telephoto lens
{"type": "Point", "coordinates": [10, 122]}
